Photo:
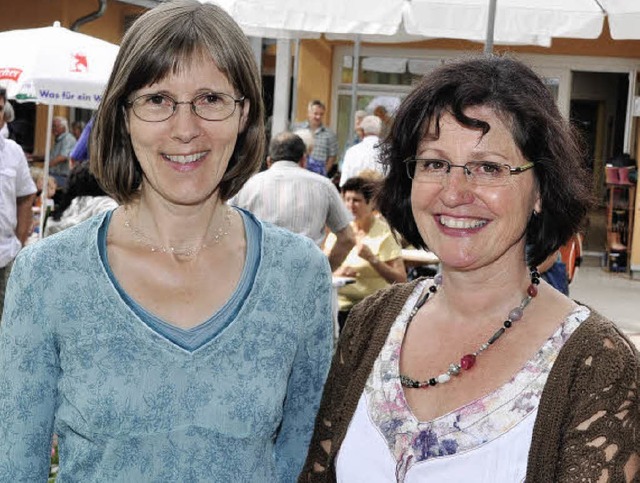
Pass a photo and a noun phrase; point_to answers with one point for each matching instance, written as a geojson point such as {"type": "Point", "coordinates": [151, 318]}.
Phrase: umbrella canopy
{"type": "Point", "coordinates": [624, 18]}
{"type": "Point", "coordinates": [509, 22]}
{"type": "Point", "coordinates": [515, 21]}
{"type": "Point", "coordinates": [53, 65]}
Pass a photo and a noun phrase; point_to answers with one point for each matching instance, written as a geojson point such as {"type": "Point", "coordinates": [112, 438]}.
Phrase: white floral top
{"type": "Point", "coordinates": [410, 442]}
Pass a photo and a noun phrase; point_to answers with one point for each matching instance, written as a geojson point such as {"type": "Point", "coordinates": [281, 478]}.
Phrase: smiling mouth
{"type": "Point", "coordinates": [461, 223]}
{"type": "Point", "coordinates": [189, 158]}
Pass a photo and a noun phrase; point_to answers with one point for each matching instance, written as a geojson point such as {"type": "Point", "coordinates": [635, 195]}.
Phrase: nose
{"type": "Point", "coordinates": [456, 188]}
{"type": "Point", "coordinates": [185, 123]}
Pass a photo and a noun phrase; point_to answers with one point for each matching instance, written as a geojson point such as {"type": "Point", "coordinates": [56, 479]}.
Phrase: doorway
{"type": "Point", "coordinates": [598, 110]}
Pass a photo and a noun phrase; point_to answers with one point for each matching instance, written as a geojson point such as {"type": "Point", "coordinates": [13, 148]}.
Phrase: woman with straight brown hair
{"type": "Point", "coordinates": [174, 338]}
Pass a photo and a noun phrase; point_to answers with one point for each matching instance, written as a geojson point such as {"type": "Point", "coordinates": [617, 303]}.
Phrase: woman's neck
{"type": "Point", "coordinates": [473, 294]}
{"type": "Point", "coordinates": [364, 224]}
{"type": "Point", "coordinates": [170, 225]}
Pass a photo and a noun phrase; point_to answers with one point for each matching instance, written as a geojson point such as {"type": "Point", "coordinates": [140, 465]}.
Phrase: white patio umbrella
{"type": "Point", "coordinates": [624, 18]}
{"type": "Point", "coordinates": [54, 66]}
{"type": "Point", "coordinates": [510, 22]}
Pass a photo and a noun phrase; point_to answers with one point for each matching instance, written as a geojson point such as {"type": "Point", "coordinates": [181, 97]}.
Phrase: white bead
{"type": "Point", "coordinates": [442, 378]}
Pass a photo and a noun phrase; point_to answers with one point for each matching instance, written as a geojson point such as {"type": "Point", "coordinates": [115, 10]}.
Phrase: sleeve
{"type": "Point", "coordinates": [389, 248]}
{"type": "Point", "coordinates": [307, 378]}
{"type": "Point", "coordinates": [331, 416]}
{"type": "Point", "coordinates": [602, 440]}
{"type": "Point", "coordinates": [24, 182]}
{"type": "Point", "coordinates": [29, 369]}
{"type": "Point", "coordinates": [589, 414]}
{"type": "Point", "coordinates": [80, 151]}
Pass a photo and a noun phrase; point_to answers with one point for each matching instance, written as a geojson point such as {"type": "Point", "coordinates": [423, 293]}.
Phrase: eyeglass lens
{"type": "Point", "coordinates": [210, 106]}
{"type": "Point", "coordinates": [478, 172]}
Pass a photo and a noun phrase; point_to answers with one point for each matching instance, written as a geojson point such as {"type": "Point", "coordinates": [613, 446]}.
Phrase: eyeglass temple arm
{"type": "Point", "coordinates": [520, 169]}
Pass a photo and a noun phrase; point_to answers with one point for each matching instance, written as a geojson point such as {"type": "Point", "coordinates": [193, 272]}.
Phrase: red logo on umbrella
{"type": "Point", "coordinates": [79, 63]}
{"type": "Point", "coordinates": [10, 73]}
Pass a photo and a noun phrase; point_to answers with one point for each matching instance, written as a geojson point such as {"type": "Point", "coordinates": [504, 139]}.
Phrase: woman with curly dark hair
{"type": "Point", "coordinates": [485, 372]}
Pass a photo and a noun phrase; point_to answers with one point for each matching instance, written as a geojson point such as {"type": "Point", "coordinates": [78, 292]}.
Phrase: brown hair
{"type": "Point", "coordinates": [159, 43]}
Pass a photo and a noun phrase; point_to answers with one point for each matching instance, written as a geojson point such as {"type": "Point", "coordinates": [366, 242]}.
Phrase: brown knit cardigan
{"type": "Point", "coordinates": [588, 423]}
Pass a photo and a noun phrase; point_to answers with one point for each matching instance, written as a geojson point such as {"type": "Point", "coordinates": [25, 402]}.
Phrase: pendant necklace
{"type": "Point", "coordinates": [188, 252]}
{"type": "Point", "coordinates": [467, 361]}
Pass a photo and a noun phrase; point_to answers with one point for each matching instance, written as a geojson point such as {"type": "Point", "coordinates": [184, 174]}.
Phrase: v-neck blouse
{"type": "Point", "coordinates": [489, 436]}
{"type": "Point", "coordinates": [127, 403]}
{"type": "Point", "coordinates": [192, 338]}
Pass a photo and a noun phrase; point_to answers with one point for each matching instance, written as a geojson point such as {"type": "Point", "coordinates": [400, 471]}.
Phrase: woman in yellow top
{"type": "Point", "coordinates": [375, 261]}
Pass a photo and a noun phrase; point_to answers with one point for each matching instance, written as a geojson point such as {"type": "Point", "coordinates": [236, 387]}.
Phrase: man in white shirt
{"type": "Point", "coordinates": [17, 192]}
{"type": "Point", "coordinates": [292, 197]}
{"type": "Point", "coordinates": [364, 155]}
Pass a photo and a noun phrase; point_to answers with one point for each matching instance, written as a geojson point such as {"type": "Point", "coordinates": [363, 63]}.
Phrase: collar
{"type": "Point", "coordinates": [284, 164]}
{"type": "Point", "coordinates": [370, 139]}
{"type": "Point", "coordinates": [307, 125]}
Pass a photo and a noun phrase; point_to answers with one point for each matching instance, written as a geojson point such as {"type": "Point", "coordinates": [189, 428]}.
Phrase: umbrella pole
{"type": "Point", "coordinates": [354, 85]}
{"type": "Point", "coordinates": [45, 177]}
{"type": "Point", "coordinates": [294, 94]}
{"type": "Point", "coordinates": [491, 23]}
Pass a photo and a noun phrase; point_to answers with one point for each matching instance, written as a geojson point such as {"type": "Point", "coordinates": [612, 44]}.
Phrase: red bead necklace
{"type": "Point", "coordinates": [468, 360]}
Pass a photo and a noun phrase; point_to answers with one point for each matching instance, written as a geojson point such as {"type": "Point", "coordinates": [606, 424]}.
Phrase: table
{"type": "Point", "coordinates": [414, 258]}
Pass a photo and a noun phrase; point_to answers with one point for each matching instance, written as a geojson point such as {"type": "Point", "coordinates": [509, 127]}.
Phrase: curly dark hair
{"type": "Point", "coordinates": [363, 186]}
{"type": "Point", "coordinates": [544, 137]}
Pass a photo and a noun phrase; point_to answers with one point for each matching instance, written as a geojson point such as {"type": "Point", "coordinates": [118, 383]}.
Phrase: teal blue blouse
{"type": "Point", "coordinates": [127, 403]}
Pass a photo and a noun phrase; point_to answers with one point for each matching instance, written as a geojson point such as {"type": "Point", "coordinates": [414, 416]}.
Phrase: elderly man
{"type": "Point", "coordinates": [364, 155]}
{"type": "Point", "coordinates": [289, 196]}
{"type": "Point", "coordinates": [325, 144]}
{"type": "Point", "coordinates": [59, 155]}
{"type": "Point", "coordinates": [17, 192]}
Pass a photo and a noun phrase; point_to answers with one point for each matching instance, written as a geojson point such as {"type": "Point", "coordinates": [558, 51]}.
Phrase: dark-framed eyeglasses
{"type": "Point", "coordinates": [210, 106]}
{"type": "Point", "coordinates": [481, 173]}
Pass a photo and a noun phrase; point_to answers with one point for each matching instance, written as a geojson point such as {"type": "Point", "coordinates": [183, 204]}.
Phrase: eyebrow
{"type": "Point", "coordinates": [475, 154]}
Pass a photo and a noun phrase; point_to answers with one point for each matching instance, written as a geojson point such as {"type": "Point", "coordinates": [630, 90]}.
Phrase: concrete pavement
{"type": "Point", "coordinates": [614, 295]}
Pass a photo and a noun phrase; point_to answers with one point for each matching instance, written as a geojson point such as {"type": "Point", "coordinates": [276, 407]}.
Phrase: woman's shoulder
{"type": "Point", "coordinates": [598, 328]}
{"type": "Point", "coordinates": [600, 350]}
{"type": "Point", "coordinates": [379, 223]}
{"type": "Point", "coordinates": [385, 304]}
